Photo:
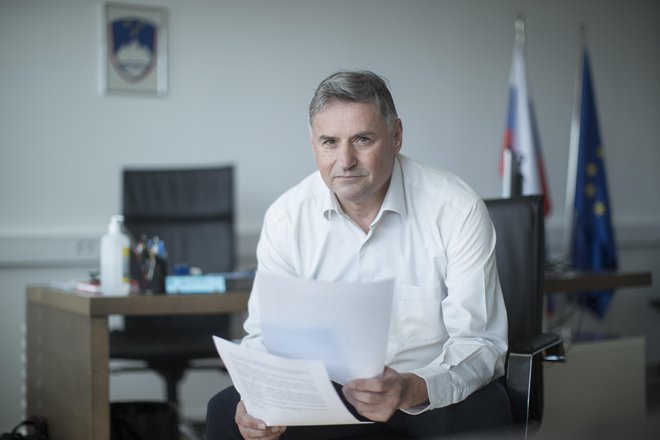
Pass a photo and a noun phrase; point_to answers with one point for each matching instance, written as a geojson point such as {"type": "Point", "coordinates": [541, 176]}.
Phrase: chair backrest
{"type": "Point", "coordinates": [519, 225]}
{"type": "Point", "coordinates": [520, 228]}
{"type": "Point", "coordinates": [192, 211]}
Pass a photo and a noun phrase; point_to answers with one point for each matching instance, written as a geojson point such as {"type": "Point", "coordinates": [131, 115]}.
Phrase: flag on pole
{"type": "Point", "coordinates": [593, 246]}
{"type": "Point", "coordinates": [521, 162]}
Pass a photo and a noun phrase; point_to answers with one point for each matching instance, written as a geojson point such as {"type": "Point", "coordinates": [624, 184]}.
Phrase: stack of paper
{"type": "Point", "coordinates": [314, 332]}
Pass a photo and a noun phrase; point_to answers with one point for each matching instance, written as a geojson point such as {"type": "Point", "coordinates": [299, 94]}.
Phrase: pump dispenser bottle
{"type": "Point", "coordinates": [115, 254]}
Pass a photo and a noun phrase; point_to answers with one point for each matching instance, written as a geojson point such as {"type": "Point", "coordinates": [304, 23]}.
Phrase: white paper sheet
{"type": "Point", "coordinates": [280, 391]}
{"type": "Point", "coordinates": [345, 325]}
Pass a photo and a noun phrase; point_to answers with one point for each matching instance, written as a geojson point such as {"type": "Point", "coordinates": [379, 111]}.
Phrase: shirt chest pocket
{"type": "Point", "coordinates": [420, 312]}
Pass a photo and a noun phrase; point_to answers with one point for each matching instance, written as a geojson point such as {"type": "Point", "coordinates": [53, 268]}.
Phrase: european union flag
{"type": "Point", "coordinates": [594, 247]}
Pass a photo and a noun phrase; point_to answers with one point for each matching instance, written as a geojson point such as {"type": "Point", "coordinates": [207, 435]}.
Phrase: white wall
{"type": "Point", "coordinates": [241, 75]}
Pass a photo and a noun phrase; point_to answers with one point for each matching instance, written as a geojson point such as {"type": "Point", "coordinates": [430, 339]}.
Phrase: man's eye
{"type": "Point", "coordinates": [329, 143]}
{"type": "Point", "coordinates": [362, 140]}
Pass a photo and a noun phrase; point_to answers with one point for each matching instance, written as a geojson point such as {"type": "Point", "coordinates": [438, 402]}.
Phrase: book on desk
{"type": "Point", "coordinates": [209, 283]}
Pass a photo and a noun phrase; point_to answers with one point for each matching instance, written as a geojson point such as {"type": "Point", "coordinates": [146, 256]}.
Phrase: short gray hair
{"type": "Point", "coordinates": [354, 86]}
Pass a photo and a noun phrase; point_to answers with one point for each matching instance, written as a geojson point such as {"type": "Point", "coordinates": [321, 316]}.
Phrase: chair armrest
{"type": "Point", "coordinates": [550, 343]}
{"type": "Point", "coordinates": [525, 380]}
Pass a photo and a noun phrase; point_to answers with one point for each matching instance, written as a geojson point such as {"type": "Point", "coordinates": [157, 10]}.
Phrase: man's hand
{"type": "Point", "coordinates": [377, 398]}
{"type": "Point", "coordinates": [252, 428]}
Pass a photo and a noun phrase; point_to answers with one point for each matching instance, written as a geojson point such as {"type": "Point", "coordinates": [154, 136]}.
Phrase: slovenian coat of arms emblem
{"type": "Point", "coordinates": [133, 43]}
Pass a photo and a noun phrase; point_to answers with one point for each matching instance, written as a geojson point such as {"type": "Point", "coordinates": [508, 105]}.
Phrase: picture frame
{"type": "Point", "coordinates": [135, 49]}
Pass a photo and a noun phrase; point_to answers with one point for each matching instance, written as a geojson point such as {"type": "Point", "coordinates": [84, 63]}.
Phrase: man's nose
{"type": "Point", "coordinates": [346, 156]}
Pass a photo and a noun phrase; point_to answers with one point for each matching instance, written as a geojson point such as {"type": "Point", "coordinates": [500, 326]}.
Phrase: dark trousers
{"type": "Point", "coordinates": [486, 411]}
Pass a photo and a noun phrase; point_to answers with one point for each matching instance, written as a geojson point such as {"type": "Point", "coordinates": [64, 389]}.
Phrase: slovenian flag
{"type": "Point", "coordinates": [593, 247]}
{"type": "Point", "coordinates": [521, 148]}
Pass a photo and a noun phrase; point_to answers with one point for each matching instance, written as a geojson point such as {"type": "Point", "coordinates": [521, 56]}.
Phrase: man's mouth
{"type": "Point", "coordinates": [350, 176]}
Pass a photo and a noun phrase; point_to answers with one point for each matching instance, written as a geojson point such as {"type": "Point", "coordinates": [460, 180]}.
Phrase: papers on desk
{"type": "Point", "coordinates": [314, 332]}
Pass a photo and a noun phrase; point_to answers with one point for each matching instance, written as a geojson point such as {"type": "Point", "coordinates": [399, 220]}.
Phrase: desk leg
{"type": "Point", "coordinates": [67, 372]}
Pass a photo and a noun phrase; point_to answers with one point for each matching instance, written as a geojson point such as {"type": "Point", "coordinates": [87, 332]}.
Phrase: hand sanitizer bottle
{"type": "Point", "coordinates": [115, 254]}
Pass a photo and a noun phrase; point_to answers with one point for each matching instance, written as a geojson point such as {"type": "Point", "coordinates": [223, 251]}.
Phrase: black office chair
{"type": "Point", "coordinates": [520, 228]}
{"type": "Point", "coordinates": [192, 212]}
{"type": "Point", "coordinates": [520, 250]}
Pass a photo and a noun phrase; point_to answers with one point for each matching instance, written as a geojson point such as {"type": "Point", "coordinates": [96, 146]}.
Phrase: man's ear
{"type": "Point", "coordinates": [397, 135]}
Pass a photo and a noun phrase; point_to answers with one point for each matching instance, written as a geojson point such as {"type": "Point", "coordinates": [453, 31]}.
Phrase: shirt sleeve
{"type": "Point", "coordinates": [272, 257]}
{"type": "Point", "coordinates": [473, 312]}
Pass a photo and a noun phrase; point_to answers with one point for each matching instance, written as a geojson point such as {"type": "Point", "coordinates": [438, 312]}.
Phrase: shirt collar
{"type": "Point", "coordinates": [394, 201]}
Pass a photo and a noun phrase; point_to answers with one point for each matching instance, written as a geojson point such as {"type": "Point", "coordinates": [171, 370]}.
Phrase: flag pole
{"type": "Point", "coordinates": [519, 24]}
{"type": "Point", "coordinates": [513, 177]}
{"type": "Point", "coordinates": [508, 172]}
{"type": "Point", "coordinates": [574, 145]}
{"type": "Point", "coordinates": [510, 159]}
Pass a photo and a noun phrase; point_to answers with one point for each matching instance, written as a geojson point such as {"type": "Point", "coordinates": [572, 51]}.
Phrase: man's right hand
{"type": "Point", "coordinates": [252, 428]}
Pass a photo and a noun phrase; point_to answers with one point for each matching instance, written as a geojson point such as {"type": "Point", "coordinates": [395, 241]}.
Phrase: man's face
{"type": "Point", "coordinates": [355, 151]}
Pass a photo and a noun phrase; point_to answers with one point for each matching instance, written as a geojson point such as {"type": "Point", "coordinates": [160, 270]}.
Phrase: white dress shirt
{"type": "Point", "coordinates": [433, 234]}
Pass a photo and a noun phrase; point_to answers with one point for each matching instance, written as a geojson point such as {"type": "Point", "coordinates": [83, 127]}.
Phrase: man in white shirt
{"type": "Point", "coordinates": [371, 213]}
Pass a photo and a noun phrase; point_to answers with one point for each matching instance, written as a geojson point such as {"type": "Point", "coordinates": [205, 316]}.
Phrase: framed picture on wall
{"type": "Point", "coordinates": [135, 49]}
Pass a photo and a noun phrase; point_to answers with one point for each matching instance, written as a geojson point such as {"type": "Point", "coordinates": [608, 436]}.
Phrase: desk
{"type": "Point", "coordinates": [68, 351]}
{"type": "Point", "coordinates": [571, 281]}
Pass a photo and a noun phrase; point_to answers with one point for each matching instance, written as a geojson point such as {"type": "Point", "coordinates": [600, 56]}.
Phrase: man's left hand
{"type": "Point", "coordinates": [377, 398]}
